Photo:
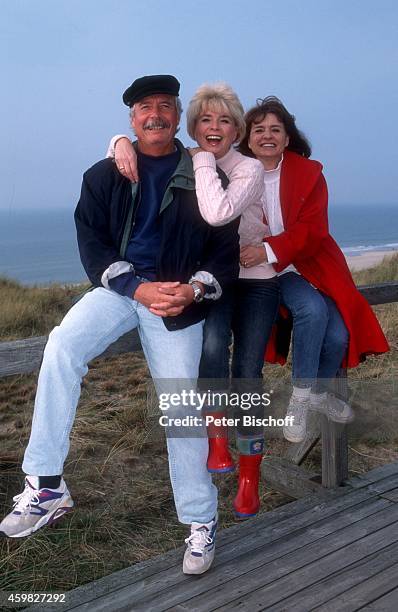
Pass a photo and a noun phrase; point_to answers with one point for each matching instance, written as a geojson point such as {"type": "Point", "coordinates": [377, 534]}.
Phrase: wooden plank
{"type": "Point", "coordinates": [388, 603]}
{"type": "Point", "coordinates": [349, 589]}
{"type": "Point", "coordinates": [389, 470]}
{"type": "Point", "coordinates": [383, 293]}
{"type": "Point", "coordinates": [222, 577]}
{"type": "Point", "coordinates": [238, 540]}
{"type": "Point", "coordinates": [21, 356]}
{"type": "Point", "coordinates": [169, 586]}
{"type": "Point", "coordinates": [284, 577]}
{"type": "Point", "coordinates": [334, 440]}
{"type": "Point", "coordinates": [391, 495]}
{"type": "Point", "coordinates": [282, 475]}
{"type": "Point", "coordinates": [256, 553]}
{"type": "Point", "coordinates": [24, 356]}
{"type": "Point", "coordinates": [334, 453]}
{"type": "Point", "coordinates": [151, 567]}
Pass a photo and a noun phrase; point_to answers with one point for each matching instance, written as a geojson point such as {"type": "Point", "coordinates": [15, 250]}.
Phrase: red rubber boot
{"type": "Point", "coordinates": [247, 501]}
{"type": "Point", "coordinates": [219, 459]}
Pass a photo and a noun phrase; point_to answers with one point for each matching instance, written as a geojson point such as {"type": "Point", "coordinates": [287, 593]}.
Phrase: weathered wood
{"type": "Point", "coordinates": [388, 603]}
{"type": "Point", "coordinates": [383, 293]}
{"type": "Point", "coordinates": [391, 495]}
{"type": "Point", "coordinates": [169, 594]}
{"type": "Point", "coordinates": [24, 356]}
{"type": "Point", "coordinates": [360, 584]}
{"type": "Point", "coordinates": [334, 440]}
{"type": "Point", "coordinates": [284, 476]}
{"type": "Point", "coordinates": [21, 356]}
{"type": "Point", "coordinates": [304, 522]}
{"type": "Point", "coordinates": [296, 453]}
{"type": "Point", "coordinates": [380, 474]}
{"type": "Point", "coordinates": [282, 578]}
{"type": "Point", "coordinates": [334, 453]}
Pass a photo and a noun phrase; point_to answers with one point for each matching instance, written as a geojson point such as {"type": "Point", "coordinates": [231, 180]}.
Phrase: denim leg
{"type": "Point", "coordinates": [89, 327]}
{"type": "Point", "coordinates": [256, 308]}
{"type": "Point", "coordinates": [214, 362]}
{"type": "Point", "coordinates": [334, 345]}
{"type": "Point", "coordinates": [175, 355]}
{"type": "Point", "coordinates": [310, 319]}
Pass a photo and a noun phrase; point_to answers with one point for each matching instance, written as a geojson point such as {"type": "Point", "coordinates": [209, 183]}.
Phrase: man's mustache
{"type": "Point", "coordinates": [156, 124]}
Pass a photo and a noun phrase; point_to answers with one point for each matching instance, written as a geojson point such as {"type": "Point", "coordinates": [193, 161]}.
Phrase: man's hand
{"type": "Point", "coordinates": [252, 256]}
{"type": "Point", "coordinates": [164, 299]}
{"type": "Point", "coordinates": [126, 159]}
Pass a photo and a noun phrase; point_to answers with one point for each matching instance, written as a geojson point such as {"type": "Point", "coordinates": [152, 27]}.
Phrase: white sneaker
{"type": "Point", "coordinates": [200, 551]}
{"type": "Point", "coordinates": [297, 410]}
{"type": "Point", "coordinates": [34, 508]}
{"type": "Point", "coordinates": [335, 409]}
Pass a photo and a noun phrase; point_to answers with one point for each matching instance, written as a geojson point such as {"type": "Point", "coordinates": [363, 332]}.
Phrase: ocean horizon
{"type": "Point", "coordinates": [39, 247]}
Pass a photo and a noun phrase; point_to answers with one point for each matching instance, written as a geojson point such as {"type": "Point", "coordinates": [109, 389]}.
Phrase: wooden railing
{"type": "Point", "coordinates": [24, 357]}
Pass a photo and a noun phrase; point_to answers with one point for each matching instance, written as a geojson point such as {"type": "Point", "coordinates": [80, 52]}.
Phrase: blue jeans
{"type": "Point", "coordinates": [320, 337]}
{"type": "Point", "coordinates": [249, 309]}
{"type": "Point", "coordinates": [97, 320]}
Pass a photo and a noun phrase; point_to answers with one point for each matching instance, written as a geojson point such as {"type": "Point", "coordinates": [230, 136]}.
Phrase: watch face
{"type": "Point", "coordinates": [197, 293]}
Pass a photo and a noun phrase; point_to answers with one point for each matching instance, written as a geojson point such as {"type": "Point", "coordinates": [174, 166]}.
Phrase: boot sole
{"type": "Point", "coordinates": [241, 516]}
{"type": "Point", "coordinates": [221, 470]}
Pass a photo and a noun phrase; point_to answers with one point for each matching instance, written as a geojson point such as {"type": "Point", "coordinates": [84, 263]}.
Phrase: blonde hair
{"type": "Point", "coordinates": [216, 97]}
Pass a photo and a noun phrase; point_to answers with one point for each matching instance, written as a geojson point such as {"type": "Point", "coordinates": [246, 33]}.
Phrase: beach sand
{"type": "Point", "coordinates": [368, 259]}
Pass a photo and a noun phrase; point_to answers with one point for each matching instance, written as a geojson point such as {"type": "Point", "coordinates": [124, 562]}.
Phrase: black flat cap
{"type": "Point", "coordinates": [150, 85]}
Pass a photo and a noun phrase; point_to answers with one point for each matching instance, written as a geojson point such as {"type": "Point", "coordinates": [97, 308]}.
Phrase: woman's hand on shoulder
{"type": "Point", "coordinates": [126, 159]}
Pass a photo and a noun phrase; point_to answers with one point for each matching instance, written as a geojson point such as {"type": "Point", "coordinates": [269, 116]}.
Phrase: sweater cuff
{"type": "Point", "coordinates": [213, 289]}
{"type": "Point", "coordinates": [111, 149]}
{"type": "Point", "coordinates": [272, 258]}
{"type": "Point", "coordinates": [125, 284]}
{"type": "Point", "coordinates": [203, 160]}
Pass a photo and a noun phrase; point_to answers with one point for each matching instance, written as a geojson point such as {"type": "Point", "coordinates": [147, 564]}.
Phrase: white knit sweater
{"type": "Point", "coordinates": [243, 196]}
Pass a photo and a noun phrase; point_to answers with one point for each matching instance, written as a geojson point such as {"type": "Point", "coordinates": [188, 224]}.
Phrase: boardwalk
{"type": "Point", "coordinates": [332, 552]}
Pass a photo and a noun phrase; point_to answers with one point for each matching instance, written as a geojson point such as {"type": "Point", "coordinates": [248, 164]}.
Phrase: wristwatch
{"type": "Point", "coordinates": [197, 291]}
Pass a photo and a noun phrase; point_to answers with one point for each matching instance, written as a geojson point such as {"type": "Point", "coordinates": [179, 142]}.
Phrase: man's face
{"type": "Point", "coordinates": [155, 121]}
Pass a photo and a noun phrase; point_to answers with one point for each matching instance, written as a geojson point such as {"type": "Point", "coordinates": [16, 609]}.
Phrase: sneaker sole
{"type": "Point", "coordinates": [290, 438]}
{"type": "Point", "coordinates": [189, 572]}
{"type": "Point", "coordinates": [343, 421]}
{"type": "Point", "coordinates": [45, 520]}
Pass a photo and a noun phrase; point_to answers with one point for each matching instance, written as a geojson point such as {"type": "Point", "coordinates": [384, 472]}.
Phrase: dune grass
{"type": "Point", "coordinates": [117, 467]}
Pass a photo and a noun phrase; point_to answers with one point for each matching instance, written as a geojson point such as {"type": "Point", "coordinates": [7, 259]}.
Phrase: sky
{"type": "Point", "coordinates": [66, 63]}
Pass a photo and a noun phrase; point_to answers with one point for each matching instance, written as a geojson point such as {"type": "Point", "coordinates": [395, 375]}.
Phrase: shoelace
{"type": "Point", "coordinates": [198, 540]}
{"type": "Point", "coordinates": [28, 498]}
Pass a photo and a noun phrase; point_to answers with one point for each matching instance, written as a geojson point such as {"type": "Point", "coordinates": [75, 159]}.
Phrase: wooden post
{"type": "Point", "coordinates": [334, 442]}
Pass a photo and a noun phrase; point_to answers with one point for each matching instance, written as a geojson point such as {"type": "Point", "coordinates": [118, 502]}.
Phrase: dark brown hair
{"type": "Point", "coordinates": [298, 143]}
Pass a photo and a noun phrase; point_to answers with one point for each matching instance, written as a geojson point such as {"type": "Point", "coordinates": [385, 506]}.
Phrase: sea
{"type": "Point", "coordinates": [38, 247]}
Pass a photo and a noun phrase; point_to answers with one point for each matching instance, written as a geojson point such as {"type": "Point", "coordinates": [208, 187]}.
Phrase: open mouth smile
{"type": "Point", "coordinates": [156, 126]}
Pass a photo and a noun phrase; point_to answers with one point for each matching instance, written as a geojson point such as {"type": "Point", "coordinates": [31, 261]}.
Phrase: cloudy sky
{"type": "Point", "coordinates": [65, 64]}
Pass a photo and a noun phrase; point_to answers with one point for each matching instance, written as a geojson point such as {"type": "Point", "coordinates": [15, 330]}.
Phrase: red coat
{"type": "Point", "coordinates": [307, 244]}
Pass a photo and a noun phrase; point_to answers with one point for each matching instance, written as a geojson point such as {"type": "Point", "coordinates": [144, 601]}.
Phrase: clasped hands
{"type": "Point", "coordinates": [166, 299]}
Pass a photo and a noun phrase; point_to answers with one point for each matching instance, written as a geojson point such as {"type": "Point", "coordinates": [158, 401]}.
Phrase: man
{"type": "Point", "coordinates": [153, 260]}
